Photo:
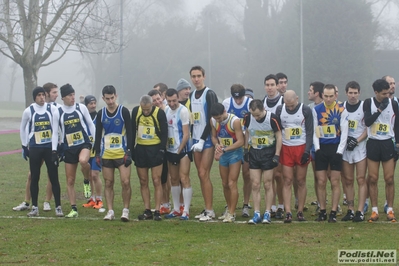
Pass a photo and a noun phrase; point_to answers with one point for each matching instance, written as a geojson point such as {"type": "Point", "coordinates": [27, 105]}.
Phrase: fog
{"type": "Point", "coordinates": [236, 41]}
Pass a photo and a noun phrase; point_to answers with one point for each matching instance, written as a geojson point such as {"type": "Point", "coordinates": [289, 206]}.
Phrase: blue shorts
{"type": "Point", "coordinates": [93, 165]}
{"type": "Point", "coordinates": [231, 157]}
{"type": "Point", "coordinates": [207, 144]}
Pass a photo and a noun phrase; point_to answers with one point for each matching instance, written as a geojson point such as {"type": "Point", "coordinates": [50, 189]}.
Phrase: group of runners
{"type": "Point", "coordinates": [271, 141]}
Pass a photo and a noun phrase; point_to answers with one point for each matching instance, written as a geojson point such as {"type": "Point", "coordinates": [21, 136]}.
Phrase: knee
{"type": "Point", "coordinates": [389, 181]}
{"type": "Point", "coordinates": [372, 179]}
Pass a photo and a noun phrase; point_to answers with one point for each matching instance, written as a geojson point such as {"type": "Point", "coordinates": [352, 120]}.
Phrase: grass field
{"type": "Point", "coordinates": [90, 240]}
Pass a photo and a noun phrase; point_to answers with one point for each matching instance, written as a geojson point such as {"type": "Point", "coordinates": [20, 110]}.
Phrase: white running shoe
{"type": "Point", "coordinates": [46, 206]}
{"type": "Point", "coordinates": [230, 218]}
{"type": "Point", "coordinates": [208, 216]}
{"type": "Point", "coordinates": [21, 207]}
{"type": "Point", "coordinates": [58, 212]}
{"type": "Point", "coordinates": [110, 216]}
{"type": "Point", "coordinates": [33, 212]}
{"type": "Point", "coordinates": [200, 215]}
{"type": "Point", "coordinates": [223, 214]}
{"type": "Point", "coordinates": [125, 215]}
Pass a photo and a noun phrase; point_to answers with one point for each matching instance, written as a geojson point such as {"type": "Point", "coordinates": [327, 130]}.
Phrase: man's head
{"type": "Point", "coordinates": [91, 103]}
{"type": "Point", "coordinates": [146, 104]}
{"type": "Point", "coordinates": [67, 94]}
{"type": "Point", "coordinates": [51, 92]}
{"type": "Point", "coordinates": [391, 82]}
{"type": "Point", "coordinates": [109, 96]}
{"type": "Point", "coordinates": [315, 91]}
{"type": "Point", "coordinates": [381, 89]}
{"type": "Point", "coordinates": [156, 98]}
{"type": "Point", "coordinates": [271, 85]}
{"type": "Point", "coordinates": [249, 93]}
{"type": "Point", "coordinates": [257, 109]}
{"type": "Point", "coordinates": [282, 82]}
{"type": "Point", "coordinates": [329, 94]}
{"type": "Point", "coordinates": [352, 90]}
{"type": "Point", "coordinates": [218, 112]}
{"type": "Point", "coordinates": [172, 98]}
{"type": "Point", "coordinates": [290, 99]}
{"type": "Point", "coordinates": [39, 95]}
{"type": "Point", "coordinates": [161, 87]}
{"type": "Point", "coordinates": [238, 93]}
{"type": "Point", "coordinates": [183, 88]}
{"type": "Point", "coordinates": [197, 75]}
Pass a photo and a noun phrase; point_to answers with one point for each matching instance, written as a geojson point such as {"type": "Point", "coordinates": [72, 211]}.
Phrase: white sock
{"type": "Point", "coordinates": [187, 195]}
{"type": "Point", "coordinates": [274, 208]}
{"type": "Point", "coordinates": [375, 209]}
{"type": "Point", "coordinates": [389, 209]}
{"type": "Point", "coordinates": [176, 197]}
{"type": "Point", "coordinates": [281, 206]}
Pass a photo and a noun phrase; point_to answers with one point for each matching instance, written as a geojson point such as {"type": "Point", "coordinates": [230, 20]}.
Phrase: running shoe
{"type": "Point", "coordinates": [72, 214]}
{"type": "Point", "coordinates": [172, 214]}
{"type": "Point", "coordinates": [110, 216]}
{"type": "Point", "coordinates": [46, 206]}
{"type": "Point", "coordinates": [22, 207]}
{"type": "Point", "coordinates": [300, 217]}
{"type": "Point", "coordinates": [345, 202]}
{"type": "Point", "coordinates": [147, 215]}
{"type": "Point", "coordinates": [314, 202]}
{"type": "Point", "coordinates": [86, 188]}
{"type": "Point", "coordinates": [359, 217]}
{"type": "Point", "coordinates": [89, 204]}
{"type": "Point", "coordinates": [185, 216]}
{"type": "Point", "coordinates": [273, 214]}
{"type": "Point", "coordinates": [374, 217]}
{"type": "Point", "coordinates": [229, 218]}
{"type": "Point", "coordinates": [348, 217]}
{"type": "Point", "coordinates": [125, 215]}
{"type": "Point", "coordinates": [280, 214]}
{"type": "Point", "coordinates": [157, 216]}
{"type": "Point", "coordinates": [365, 208]}
{"type": "Point", "coordinates": [58, 212]}
{"type": "Point", "coordinates": [266, 218]}
{"type": "Point", "coordinates": [223, 214]}
{"type": "Point", "coordinates": [321, 217]}
{"type": "Point", "coordinates": [245, 211]}
{"type": "Point", "coordinates": [339, 210]}
{"type": "Point", "coordinates": [288, 218]}
{"type": "Point", "coordinates": [208, 216]}
{"type": "Point", "coordinates": [256, 219]}
{"type": "Point", "coordinates": [34, 212]}
{"type": "Point", "coordinates": [391, 216]}
{"type": "Point", "coordinates": [181, 208]}
{"type": "Point", "coordinates": [332, 218]}
{"type": "Point", "coordinates": [164, 210]}
{"type": "Point", "coordinates": [385, 208]}
{"type": "Point", "coordinates": [98, 205]}
{"type": "Point", "coordinates": [316, 211]}
{"type": "Point", "coordinates": [198, 216]}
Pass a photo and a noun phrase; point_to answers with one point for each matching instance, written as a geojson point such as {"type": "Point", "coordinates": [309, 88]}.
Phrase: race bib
{"type": "Point", "coordinates": [352, 124]}
{"type": "Point", "coordinates": [196, 118]}
{"type": "Point", "coordinates": [379, 129]}
{"type": "Point", "coordinates": [146, 132]}
{"type": "Point", "coordinates": [260, 142]}
{"type": "Point", "coordinates": [42, 137]}
{"type": "Point", "coordinates": [326, 132]}
{"type": "Point", "coordinates": [226, 141]}
{"type": "Point", "coordinates": [113, 141]}
{"type": "Point", "coordinates": [171, 143]}
{"type": "Point", "coordinates": [293, 133]}
{"type": "Point", "coordinates": [75, 139]}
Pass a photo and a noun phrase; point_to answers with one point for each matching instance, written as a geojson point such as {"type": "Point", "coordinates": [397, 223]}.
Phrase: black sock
{"type": "Point", "coordinates": [74, 207]}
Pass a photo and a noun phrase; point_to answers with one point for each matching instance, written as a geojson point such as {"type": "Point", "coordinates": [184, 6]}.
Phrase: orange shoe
{"type": "Point", "coordinates": [89, 204]}
{"type": "Point", "coordinates": [374, 217]}
{"type": "Point", "coordinates": [391, 216]}
{"type": "Point", "coordinates": [99, 204]}
{"type": "Point", "coordinates": [163, 210]}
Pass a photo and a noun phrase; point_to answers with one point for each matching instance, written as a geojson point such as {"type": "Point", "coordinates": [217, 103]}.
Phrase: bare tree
{"type": "Point", "coordinates": [37, 33]}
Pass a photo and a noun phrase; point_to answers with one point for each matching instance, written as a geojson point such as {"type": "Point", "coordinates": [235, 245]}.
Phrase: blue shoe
{"type": "Point", "coordinates": [386, 208]}
{"type": "Point", "coordinates": [365, 208]}
{"type": "Point", "coordinates": [185, 216]}
{"type": "Point", "coordinates": [173, 214]}
{"type": "Point", "coordinates": [256, 219]}
{"type": "Point", "coordinates": [266, 218]}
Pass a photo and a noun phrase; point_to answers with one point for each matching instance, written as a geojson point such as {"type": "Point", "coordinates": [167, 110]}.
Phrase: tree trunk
{"type": "Point", "coordinates": [30, 81]}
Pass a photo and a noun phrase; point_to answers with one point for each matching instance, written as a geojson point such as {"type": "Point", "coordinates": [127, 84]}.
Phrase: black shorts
{"type": "Point", "coordinates": [327, 156]}
{"type": "Point", "coordinates": [380, 150]}
{"type": "Point", "coordinates": [72, 155]}
{"type": "Point", "coordinates": [262, 159]}
{"type": "Point", "coordinates": [148, 156]}
{"type": "Point", "coordinates": [112, 163]}
{"type": "Point", "coordinates": [174, 158]}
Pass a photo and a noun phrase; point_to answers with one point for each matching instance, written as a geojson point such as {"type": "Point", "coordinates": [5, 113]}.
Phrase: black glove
{"type": "Point", "coordinates": [276, 160]}
{"type": "Point", "coordinates": [305, 158]}
{"type": "Point", "coordinates": [384, 104]}
{"type": "Point", "coordinates": [351, 143]}
{"type": "Point", "coordinates": [127, 159]}
{"type": "Point", "coordinates": [54, 158]}
{"type": "Point", "coordinates": [61, 151]}
{"type": "Point", "coordinates": [25, 152]}
{"type": "Point", "coordinates": [246, 156]}
{"type": "Point", "coordinates": [99, 161]}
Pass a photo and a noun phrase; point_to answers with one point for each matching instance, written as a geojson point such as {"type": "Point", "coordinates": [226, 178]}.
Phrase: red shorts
{"type": "Point", "coordinates": [291, 155]}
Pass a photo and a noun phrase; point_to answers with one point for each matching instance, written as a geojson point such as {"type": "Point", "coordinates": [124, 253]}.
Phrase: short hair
{"type": "Point", "coordinates": [318, 87]}
{"type": "Point", "coordinates": [48, 86]}
{"type": "Point", "coordinates": [352, 85]}
{"type": "Point", "coordinates": [329, 87]}
{"type": "Point", "coordinates": [256, 104]}
{"type": "Point", "coordinates": [386, 76]}
{"type": "Point", "coordinates": [200, 68]}
{"type": "Point", "coordinates": [217, 109]}
{"type": "Point", "coordinates": [380, 85]}
{"type": "Point", "coordinates": [145, 99]}
{"type": "Point", "coordinates": [281, 75]}
{"type": "Point", "coordinates": [170, 92]}
{"type": "Point", "coordinates": [162, 87]}
{"type": "Point", "coordinates": [271, 76]}
{"type": "Point", "coordinates": [154, 92]}
{"type": "Point", "coordinates": [109, 89]}
{"type": "Point", "coordinates": [237, 88]}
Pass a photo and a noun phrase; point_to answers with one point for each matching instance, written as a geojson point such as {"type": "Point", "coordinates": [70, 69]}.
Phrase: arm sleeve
{"type": "Point", "coordinates": [307, 113]}
{"type": "Point", "coordinates": [134, 126]}
{"type": "Point", "coordinates": [316, 141]}
{"type": "Point", "coordinates": [99, 131]}
{"type": "Point", "coordinates": [395, 108]}
{"type": "Point", "coordinates": [278, 111]}
{"type": "Point", "coordinates": [275, 123]}
{"type": "Point", "coordinates": [128, 127]}
{"type": "Point", "coordinates": [344, 132]}
{"type": "Point", "coordinates": [23, 129]}
{"type": "Point", "coordinates": [211, 99]}
{"type": "Point", "coordinates": [368, 117]}
{"type": "Point", "coordinates": [163, 128]}
{"type": "Point", "coordinates": [54, 127]}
